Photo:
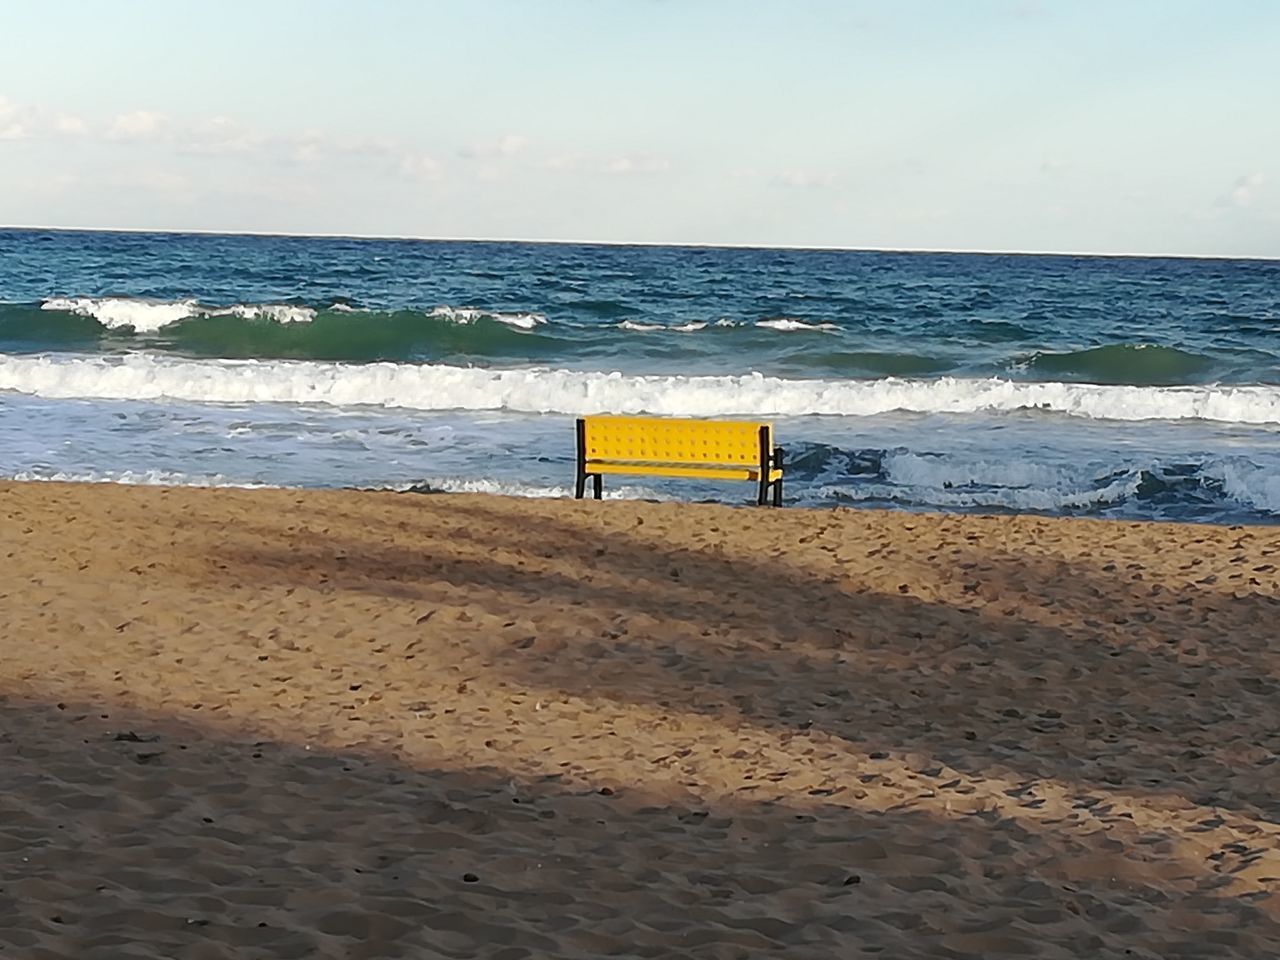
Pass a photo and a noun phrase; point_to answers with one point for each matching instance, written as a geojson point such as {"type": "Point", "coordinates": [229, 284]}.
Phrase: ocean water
{"type": "Point", "coordinates": [1135, 387]}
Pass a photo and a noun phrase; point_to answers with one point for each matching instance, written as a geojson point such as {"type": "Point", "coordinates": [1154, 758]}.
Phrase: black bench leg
{"type": "Point", "coordinates": [599, 484]}
{"type": "Point", "coordinates": [777, 484]}
{"type": "Point", "coordinates": [581, 487]}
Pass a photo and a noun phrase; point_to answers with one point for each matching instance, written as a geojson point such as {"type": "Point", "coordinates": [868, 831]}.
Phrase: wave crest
{"type": "Point", "coordinates": [151, 316]}
{"type": "Point", "coordinates": [444, 387]}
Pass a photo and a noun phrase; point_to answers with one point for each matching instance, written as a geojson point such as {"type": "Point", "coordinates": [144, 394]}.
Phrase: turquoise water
{"type": "Point", "coordinates": [1133, 387]}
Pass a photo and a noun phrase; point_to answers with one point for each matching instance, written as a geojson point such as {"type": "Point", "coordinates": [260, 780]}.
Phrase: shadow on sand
{"type": "Point", "coordinates": [128, 834]}
{"type": "Point", "coordinates": [132, 835]}
{"type": "Point", "coordinates": [1047, 675]}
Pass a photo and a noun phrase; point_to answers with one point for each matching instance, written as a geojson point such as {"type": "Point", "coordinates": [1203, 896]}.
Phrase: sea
{"type": "Point", "coordinates": [1140, 388]}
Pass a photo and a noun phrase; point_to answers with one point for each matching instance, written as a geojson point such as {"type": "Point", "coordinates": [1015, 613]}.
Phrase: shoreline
{"type": "Point", "coordinates": [349, 722]}
{"type": "Point", "coordinates": [422, 489]}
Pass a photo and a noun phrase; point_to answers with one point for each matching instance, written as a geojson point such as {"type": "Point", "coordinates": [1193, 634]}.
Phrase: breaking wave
{"type": "Point", "coordinates": [448, 387]}
{"type": "Point", "coordinates": [1209, 488]}
{"type": "Point", "coordinates": [337, 331]}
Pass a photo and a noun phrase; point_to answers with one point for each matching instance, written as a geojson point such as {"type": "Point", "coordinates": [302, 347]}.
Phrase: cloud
{"type": "Point", "coordinates": [421, 166]}
{"type": "Point", "coordinates": [25, 124]}
{"type": "Point", "coordinates": [616, 166]}
{"type": "Point", "coordinates": [803, 180]}
{"type": "Point", "coordinates": [512, 143]}
{"type": "Point", "coordinates": [562, 161]}
{"type": "Point", "coordinates": [1244, 191]}
{"type": "Point", "coordinates": [306, 149]}
{"type": "Point", "coordinates": [70, 126]}
{"type": "Point", "coordinates": [623, 166]}
{"type": "Point", "coordinates": [216, 136]}
{"type": "Point", "coordinates": [367, 147]}
{"type": "Point", "coordinates": [505, 146]}
{"type": "Point", "coordinates": [136, 125]}
{"type": "Point", "coordinates": [12, 124]}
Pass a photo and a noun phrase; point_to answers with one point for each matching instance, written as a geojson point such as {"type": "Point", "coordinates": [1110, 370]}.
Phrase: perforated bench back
{"type": "Point", "coordinates": [654, 440]}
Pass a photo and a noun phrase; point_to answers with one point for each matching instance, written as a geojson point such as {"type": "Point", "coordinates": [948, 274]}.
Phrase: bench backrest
{"type": "Point", "coordinates": [663, 440]}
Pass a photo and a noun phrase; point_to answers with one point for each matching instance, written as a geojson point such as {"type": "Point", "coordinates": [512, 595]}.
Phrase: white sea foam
{"type": "Point", "coordinates": [944, 472]}
{"type": "Point", "coordinates": [279, 312]}
{"type": "Point", "coordinates": [144, 316]}
{"type": "Point", "coordinates": [638, 326]}
{"type": "Point", "coordinates": [781, 324]}
{"type": "Point", "coordinates": [440, 387]}
{"type": "Point", "coordinates": [789, 325]}
{"type": "Point", "coordinates": [148, 316]}
{"type": "Point", "coordinates": [514, 489]}
{"type": "Point", "coordinates": [1246, 482]}
{"type": "Point", "coordinates": [171, 478]}
{"type": "Point", "coordinates": [524, 321]}
{"type": "Point", "coordinates": [951, 481]}
{"type": "Point", "coordinates": [148, 478]}
{"type": "Point", "coordinates": [1059, 497]}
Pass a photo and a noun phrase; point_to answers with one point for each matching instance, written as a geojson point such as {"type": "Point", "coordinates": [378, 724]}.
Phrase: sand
{"type": "Point", "coordinates": [341, 724]}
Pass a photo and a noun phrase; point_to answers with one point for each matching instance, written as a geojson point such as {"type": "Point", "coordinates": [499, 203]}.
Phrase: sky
{"type": "Point", "coordinates": [1116, 126]}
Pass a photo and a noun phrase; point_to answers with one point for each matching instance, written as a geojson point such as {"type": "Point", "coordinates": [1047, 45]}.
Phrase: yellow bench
{"type": "Point", "coordinates": [712, 449]}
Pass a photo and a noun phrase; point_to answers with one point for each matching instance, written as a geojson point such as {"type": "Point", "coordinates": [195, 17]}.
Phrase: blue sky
{"type": "Point", "coordinates": [1123, 126]}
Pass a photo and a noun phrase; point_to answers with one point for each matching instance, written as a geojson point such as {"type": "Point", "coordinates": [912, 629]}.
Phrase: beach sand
{"type": "Point", "coordinates": [279, 724]}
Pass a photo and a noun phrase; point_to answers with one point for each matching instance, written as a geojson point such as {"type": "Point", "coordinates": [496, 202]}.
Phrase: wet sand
{"type": "Point", "coordinates": [341, 724]}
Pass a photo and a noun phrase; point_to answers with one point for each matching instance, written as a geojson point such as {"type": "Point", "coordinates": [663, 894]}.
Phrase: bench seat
{"type": "Point", "coordinates": [710, 472]}
{"type": "Point", "coordinates": [661, 446]}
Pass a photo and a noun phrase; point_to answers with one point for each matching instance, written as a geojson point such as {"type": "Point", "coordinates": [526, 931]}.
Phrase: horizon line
{"type": "Point", "coordinates": [833, 248]}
